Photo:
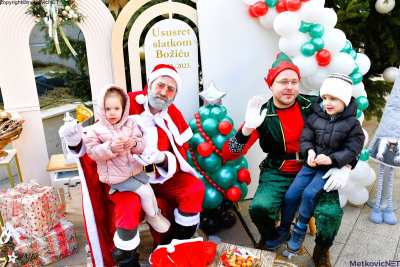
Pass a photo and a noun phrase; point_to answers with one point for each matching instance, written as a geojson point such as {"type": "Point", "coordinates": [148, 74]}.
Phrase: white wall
{"type": "Point", "coordinates": [236, 53]}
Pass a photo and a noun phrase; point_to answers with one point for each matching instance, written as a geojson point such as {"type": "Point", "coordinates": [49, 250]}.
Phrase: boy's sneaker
{"type": "Point", "coordinates": [297, 239]}
{"type": "Point", "coordinates": [279, 237]}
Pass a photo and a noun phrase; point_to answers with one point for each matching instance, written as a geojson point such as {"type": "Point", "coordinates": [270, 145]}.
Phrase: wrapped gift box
{"type": "Point", "coordinates": [58, 243]}
{"type": "Point", "coordinates": [30, 206]}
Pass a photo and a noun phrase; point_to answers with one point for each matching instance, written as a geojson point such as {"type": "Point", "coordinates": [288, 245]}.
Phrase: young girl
{"type": "Point", "coordinates": [335, 135]}
{"type": "Point", "coordinates": [111, 143]}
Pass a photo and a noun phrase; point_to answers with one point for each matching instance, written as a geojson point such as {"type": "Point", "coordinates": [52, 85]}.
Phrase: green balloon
{"type": "Point", "coordinates": [226, 118]}
{"type": "Point", "coordinates": [347, 48]}
{"type": "Point", "coordinates": [224, 111]}
{"type": "Point", "coordinates": [359, 113]}
{"type": "Point", "coordinates": [353, 53]}
{"type": "Point", "coordinates": [364, 154]}
{"type": "Point", "coordinates": [210, 126]}
{"type": "Point", "coordinates": [242, 165]}
{"type": "Point", "coordinates": [316, 30]}
{"type": "Point", "coordinates": [318, 43]}
{"type": "Point", "coordinates": [196, 140]}
{"type": "Point", "coordinates": [362, 102]}
{"type": "Point", "coordinates": [212, 198]}
{"type": "Point", "coordinates": [243, 188]}
{"type": "Point", "coordinates": [203, 180]}
{"type": "Point", "coordinates": [219, 140]}
{"type": "Point", "coordinates": [204, 114]}
{"type": "Point", "coordinates": [355, 69]}
{"type": "Point", "coordinates": [232, 133]}
{"type": "Point", "coordinates": [356, 77]}
{"type": "Point", "coordinates": [305, 27]}
{"type": "Point", "coordinates": [210, 163]}
{"type": "Point", "coordinates": [271, 3]}
{"type": "Point", "coordinates": [200, 109]}
{"type": "Point", "coordinates": [307, 49]}
{"type": "Point", "coordinates": [235, 162]}
{"type": "Point", "coordinates": [189, 158]}
{"type": "Point", "coordinates": [193, 125]}
{"type": "Point", "coordinates": [225, 176]}
{"type": "Point", "coordinates": [216, 113]}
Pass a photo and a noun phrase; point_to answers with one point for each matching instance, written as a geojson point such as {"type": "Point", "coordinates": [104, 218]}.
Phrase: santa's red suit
{"type": "Point", "coordinates": [176, 187]}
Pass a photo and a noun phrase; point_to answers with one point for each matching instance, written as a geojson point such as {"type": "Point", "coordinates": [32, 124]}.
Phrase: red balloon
{"type": "Point", "coordinates": [251, 12]}
{"type": "Point", "coordinates": [204, 149]}
{"type": "Point", "coordinates": [225, 127]}
{"type": "Point", "coordinates": [305, 0]}
{"type": "Point", "coordinates": [323, 57]}
{"type": "Point", "coordinates": [260, 8]}
{"type": "Point", "coordinates": [243, 175]}
{"type": "Point", "coordinates": [293, 5]}
{"type": "Point", "coordinates": [248, 181]}
{"type": "Point", "coordinates": [281, 7]}
{"type": "Point", "coordinates": [234, 194]}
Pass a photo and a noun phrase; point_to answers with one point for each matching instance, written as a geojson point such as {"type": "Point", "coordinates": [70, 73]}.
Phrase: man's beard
{"type": "Point", "coordinates": [157, 103]}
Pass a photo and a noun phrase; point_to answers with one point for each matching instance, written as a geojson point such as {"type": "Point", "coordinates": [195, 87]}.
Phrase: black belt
{"type": "Point", "coordinates": [287, 156]}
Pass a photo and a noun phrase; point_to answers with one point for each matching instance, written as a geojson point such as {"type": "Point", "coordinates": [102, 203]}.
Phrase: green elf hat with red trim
{"type": "Point", "coordinates": [282, 63]}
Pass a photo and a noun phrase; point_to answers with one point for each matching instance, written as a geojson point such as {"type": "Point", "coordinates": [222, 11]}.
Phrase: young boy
{"type": "Point", "coordinates": [335, 135]}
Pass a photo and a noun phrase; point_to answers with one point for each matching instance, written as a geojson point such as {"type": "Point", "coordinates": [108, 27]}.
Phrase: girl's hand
{"type": "Point", "coordinates": [311, 158]}
{"type": "Point", "coordinates": [323, 160]}
{"type": "Point", "coordinates": [130, 143]}
{"type": "Point", "coordinates": [117, 146]}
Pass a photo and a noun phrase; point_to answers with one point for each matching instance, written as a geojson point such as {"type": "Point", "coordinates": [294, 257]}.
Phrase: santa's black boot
{"type": "Point", "coordinates": [126, 258]}
{"type": "Point", "coordinates": [179, 232]}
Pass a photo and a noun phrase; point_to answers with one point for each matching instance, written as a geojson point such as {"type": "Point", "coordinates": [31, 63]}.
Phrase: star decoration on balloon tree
{"type": "Point", "coordinates": [212, 95]}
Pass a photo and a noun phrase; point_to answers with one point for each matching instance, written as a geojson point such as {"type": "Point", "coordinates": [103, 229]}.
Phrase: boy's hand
{"type": "Point", "coordinates": [130, 143]}
{"type": "Point", "coordinates": [311, 158]}
{"type": "Point", "coordinates": [323, 160]}
{"type": "Point", "coordinates": [117, 146]}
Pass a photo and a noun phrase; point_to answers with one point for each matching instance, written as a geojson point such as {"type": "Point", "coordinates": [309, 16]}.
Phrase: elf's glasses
{"type": "Point", "coordinates": [286, 83]}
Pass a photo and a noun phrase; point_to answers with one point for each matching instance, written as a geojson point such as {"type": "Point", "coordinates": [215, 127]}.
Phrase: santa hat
{"type": "Point", "coordinates": [282, 63]}
{"type": "Point", "coordinates": [158, 71]}
{"type": "Point", "coordinates": [339, 86]}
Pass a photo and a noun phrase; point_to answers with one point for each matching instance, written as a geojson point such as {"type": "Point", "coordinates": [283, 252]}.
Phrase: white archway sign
{"type": "Point", "coordinates": [18, 83]}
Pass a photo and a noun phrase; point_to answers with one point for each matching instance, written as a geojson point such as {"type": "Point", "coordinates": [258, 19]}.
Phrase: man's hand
{"type": "Point", "coordinates": [117, 146]}
{"type": "Point", "coordinates": [311, 158]}
{"type": "Point", "coordinates": [323, 160]}
{"type": "Point", "coordinates": [338, 178]}
{"type": "Point", "coordinates": [130, 143]}
{"type": "Point", "coordinates": [151, 156]}
{"type": "Point", "coordinates": [72, 133]}
{"type": "Point", "coordinates": [253, 117]}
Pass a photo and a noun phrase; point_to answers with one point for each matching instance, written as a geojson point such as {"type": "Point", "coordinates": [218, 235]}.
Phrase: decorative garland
{"type": "Point", "coordinates": [57, 18]}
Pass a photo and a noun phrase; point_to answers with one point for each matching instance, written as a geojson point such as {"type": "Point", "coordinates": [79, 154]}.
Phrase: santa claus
{"type": "Point", "coordinates": [111, 220]}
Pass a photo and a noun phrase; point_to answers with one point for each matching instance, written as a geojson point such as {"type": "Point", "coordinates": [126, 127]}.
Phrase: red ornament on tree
{"type": "Point", "coordinates": [225, 127]}
{"type": "Point", "coordinates": [204, 149]}
{"type": "Point", "coordinates": [251, 12]}
{"type": "Point", "coordinates": [260, 8]}
{"type": "Point", "coordinates": [234, 194]}
{"type": "Point", "coordinates": [293, 5]}
{"type": "Point", "coordinates": [243, 175]}
{"type": "Point", "coordinates": [248, 181]}
{"type": "Point", "coordinates": [281, 7]}
{"type": "Point", "coordinates": [323, 57]}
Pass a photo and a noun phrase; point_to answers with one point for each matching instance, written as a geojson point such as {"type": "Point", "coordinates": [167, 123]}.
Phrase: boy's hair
{"type": "Point", "coordinates": [117, 93]}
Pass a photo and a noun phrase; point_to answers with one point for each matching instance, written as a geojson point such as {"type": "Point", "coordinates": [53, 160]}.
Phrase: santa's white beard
{"type": "Point", "coordinates": [157, 103]}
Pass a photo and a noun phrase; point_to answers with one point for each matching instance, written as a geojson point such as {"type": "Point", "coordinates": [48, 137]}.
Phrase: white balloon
{"type": "Point", "coordinates": [302, 89]}
{"type": "Point", "coordinates": [341, 63]}
{"type": "Point", "coordinates": [268, 19]}
{"type": "Point", "coordinates": [306, 84]}
{"type": "Point", "coordinates": [334, 40]}
{"type": "Point", "coordinates": [348, 187]}
{"type": "Point", "coordinates": [366, 138]}
{"type": "Point", "coordinates": [343, 200]}
{"type": "Point", "coordinates": [361, 119]}
{"type": "Point", "coordinates": [358, 196]}
{"type": "Point", "coordinates": [370, 180]}
{"type": "Point", "coordinates": [287, 23]}
{"type": "Point", "coordinates": [390, 74]}
{"type": "Point", "coordinates": [329, 18]}
{"type": "Point", "coordinates": [360, 172]}
{"type": "Point", "coordinates": [291, 45]}
{"type": "Point", "coordinates": [314, 92]}
{"type": "Point", "coordinates": [322, 1]}
{"type": "Point", "coordinates": [318, 77]}
{"type": "Point", "coordinates": [311, 11]}
{"type": "Point", "coordinates": [250, 2]}
{"type": "Point", "coordinates": [306, 65]}
{"type": "Point", "coordinates": [359, 90]}
{"type": "Point", "coordinates": [363, 63]}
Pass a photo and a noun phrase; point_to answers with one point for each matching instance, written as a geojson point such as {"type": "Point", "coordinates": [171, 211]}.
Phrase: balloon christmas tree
{"type": "Point", "coordinates": [212, 128]}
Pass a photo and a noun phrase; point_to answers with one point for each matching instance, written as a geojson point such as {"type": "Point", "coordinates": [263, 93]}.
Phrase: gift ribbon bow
{"type": "Point", "coordinates": [11, 232]}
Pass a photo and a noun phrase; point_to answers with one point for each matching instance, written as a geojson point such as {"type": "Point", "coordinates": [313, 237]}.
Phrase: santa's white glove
{"type": "Point", "coordinates": [253, 117]}
{"type": "Point", "coordinates": [151, 156]}
{"type": "Point", "coordinates": [337, 178]}
{"type": "Point", "coordinates": [72, 133]}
